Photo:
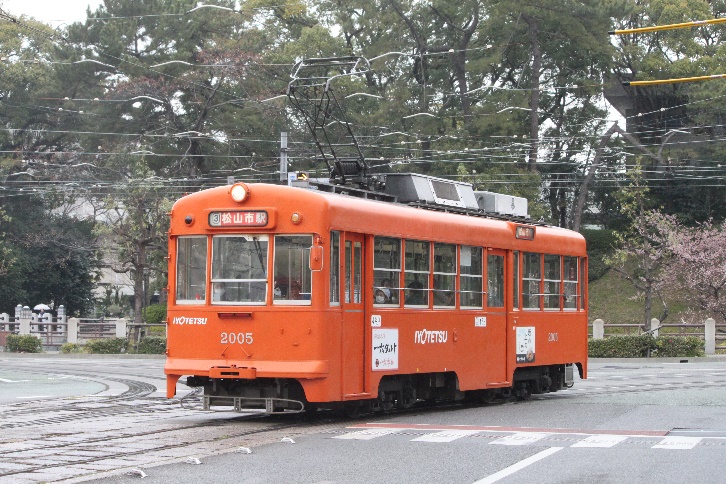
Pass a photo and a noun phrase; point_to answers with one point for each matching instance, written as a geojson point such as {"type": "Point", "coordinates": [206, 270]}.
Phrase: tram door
{"type": "Point", "coordinates": [496, 315]}
{"type": "Point", "coordinates": [353, 331]}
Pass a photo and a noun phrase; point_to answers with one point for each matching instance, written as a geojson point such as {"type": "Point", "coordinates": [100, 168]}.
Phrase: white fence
{"type": "Point", "coordinates": [707, 331]}
{"type": "Point", "coordinates": [54, 332]}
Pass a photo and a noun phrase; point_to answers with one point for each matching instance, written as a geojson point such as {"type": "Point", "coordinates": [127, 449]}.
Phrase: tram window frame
{"type": "Point", "coordinates": [583, 283]}
{"type": "Point", "coordinates": [187, 271]}
{"type": "Point", "coordinates": [285, 279]}
{"type": "Point", "coordinates": [515, 280]}
{"type": "Point", "coordinates": [416, 271]}
{"type": "Point", "coordinates": [552, 282]}
{"type": "Point", "coordinates": [570, 289]}
{"type": "Point", "coordinates": [387, 267]}
{"type": "Point", "coordinates": [495, 280]}
{"type": "Point", "coordinates": [229, 286]}
{"type": "Point", "coordinates": [471, 270]}
{"type": "Point", "coordinates": [531, 281]}
{"type": "Point", "coordinates": [334, 268]}
{"type": "Point", "coordinates": [445, 271]}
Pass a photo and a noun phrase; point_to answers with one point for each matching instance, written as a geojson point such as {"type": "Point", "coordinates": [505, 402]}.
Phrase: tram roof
{"type": "Point", "coordinates": [393, 219]}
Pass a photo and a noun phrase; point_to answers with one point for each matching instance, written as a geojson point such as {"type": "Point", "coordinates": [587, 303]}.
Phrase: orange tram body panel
{"type": "Point", "coordinates": [285, 298]}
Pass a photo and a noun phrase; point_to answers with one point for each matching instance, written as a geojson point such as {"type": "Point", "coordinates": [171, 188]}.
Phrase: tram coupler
{"type": "Point", "coordinates": [268, 406]}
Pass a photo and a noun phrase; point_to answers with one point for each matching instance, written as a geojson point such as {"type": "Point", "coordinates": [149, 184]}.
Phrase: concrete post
{"type": "Point", "coordinates": [121, 328]}
{"type": "Point", "coordinates": [598, 329]}
{"type": "Point", "coordinates": [710, 336]}
{"type": "Point", "coordinates": [25, 325]}
{"type": "Point", "coordinates": [73, 330]}
{"type": "Point", "coordinates": [654, 327]}
{"type": "Point", "coordinates": [61, 314]}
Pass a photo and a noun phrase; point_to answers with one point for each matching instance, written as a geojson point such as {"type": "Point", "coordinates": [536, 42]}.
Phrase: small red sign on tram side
{"type": "Point", "coordinates": [239, 218]}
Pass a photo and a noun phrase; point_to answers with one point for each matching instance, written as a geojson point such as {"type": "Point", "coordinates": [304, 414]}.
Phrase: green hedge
{"type": "Point", "coordinates": [67, 348]}
{"type": "Point", "coordinates": [622, 347]}
{"type": "Point", "coordinates": [152, 345]}
{"type": "Point", "coordinates": [645, 345]}
{"type": "Point", "coordinates": [155, 314]}
{"type": "Point", "coordinates": [107, 346]}
{"type": "Point", "coordinates": [680, 346]}
{"type": "Point", "coordinates": [23, 343]}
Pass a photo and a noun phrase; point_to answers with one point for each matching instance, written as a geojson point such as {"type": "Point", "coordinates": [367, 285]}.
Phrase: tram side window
{"type": "Point", "coordinates": [386, 270]}
{"type": "Point", "coordinates": [570, 289]}
{"type": "Point", "coordinates": [530, 280]}
{"type": "Point", "coordinates": [471, 277]}
{"type": "Point", "coordinates": [552, 275]}
{"type": "Point", "coordinates": [191, 270]}
{"type": "Point", "coordinates": [444, 275]}
{"type": "Point", "coordinates": [495, 281]}
{"type": "Point", "coordinates": [416, 270]}
{"type": "Point", "coordinates": [292, 269]}
{"type": "Point", "coordinates": [335, 268]}
{"type": "Point", "coordinates": [239, 269]}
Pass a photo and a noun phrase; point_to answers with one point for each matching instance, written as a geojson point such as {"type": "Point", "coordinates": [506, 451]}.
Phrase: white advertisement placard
{"type": "Point", "coordinates": [385, 349]}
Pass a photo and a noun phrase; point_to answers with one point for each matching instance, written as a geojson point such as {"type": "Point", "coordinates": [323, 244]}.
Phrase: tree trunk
{"type": "Point", "coordinates": [579, 205]}
{"type": "Point", "coordinates": [139, 285]}
{"type": "Point", "coordinates": [534, 97]}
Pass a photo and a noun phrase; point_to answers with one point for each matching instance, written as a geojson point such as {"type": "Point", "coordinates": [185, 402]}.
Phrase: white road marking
{"type": "Point", "coordinates": [600, 441]}
{"type": "Point", "coordinates": [35, 396]}
{"type": "Point", "coordinates": [4, 380]}
{"type": "Point", "coordinates": [367, 434]}
{"type": "Point", "coordinates": [519, 466]}
{"type": "Point", "coordinates": [520, 438]}
{"type": "Point", "coordinates": [445, 436]}
{"type": "Point", "coordinates": [678, 443]}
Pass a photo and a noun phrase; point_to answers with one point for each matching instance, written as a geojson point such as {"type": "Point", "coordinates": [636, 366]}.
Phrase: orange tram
{"type": "Point", "coordinates": [284, 298]}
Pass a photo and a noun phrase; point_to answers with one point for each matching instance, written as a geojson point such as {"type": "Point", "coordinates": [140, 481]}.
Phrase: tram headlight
{"type": "Point", "coordinates": [239, 192]}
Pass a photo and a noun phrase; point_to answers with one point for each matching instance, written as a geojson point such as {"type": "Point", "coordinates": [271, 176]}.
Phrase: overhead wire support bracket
{"type": "Point", "coordinates": [311, 93]}
{"type": "Point", "coordinates": [657, 28]}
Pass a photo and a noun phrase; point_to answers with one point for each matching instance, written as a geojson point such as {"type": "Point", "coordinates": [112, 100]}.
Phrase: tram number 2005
{"type": "Point", "coordinates": [236, 338]}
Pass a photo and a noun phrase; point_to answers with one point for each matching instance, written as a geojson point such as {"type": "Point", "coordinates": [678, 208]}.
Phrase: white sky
{"type": "Point", "coordinates": [54, 12]}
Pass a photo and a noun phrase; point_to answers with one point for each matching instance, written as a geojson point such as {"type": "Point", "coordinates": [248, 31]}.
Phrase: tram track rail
{"type": "Point", "coordinates": [136, 422]}
{"type": "Point", "coordinates": [80, 409]}
{"type": "Point", "coordinates": [79, 445]}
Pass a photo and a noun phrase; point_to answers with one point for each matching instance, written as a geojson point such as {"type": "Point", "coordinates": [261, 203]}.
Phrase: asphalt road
{"type": "Point", "coordinates": [632, 421]}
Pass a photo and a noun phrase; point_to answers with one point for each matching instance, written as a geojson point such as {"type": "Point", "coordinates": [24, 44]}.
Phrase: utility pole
{"type": "Point", "coordinates": [283, 156]}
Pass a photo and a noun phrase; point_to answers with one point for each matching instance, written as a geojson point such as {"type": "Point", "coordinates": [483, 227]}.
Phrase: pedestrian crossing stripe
{"type": "Point", "coordinates": [520, 436]}
{"type": "Point", "coordinates": [445, 436]}
{"type": "Point", "coordinates": [603, 441]}
{"type": "Point", "coordinates": [678, 443]}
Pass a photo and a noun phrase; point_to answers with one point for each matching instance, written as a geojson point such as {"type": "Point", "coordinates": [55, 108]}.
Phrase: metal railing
{"type": "Point", "coordinates": [714, 335]}
{"type": "Point", "coordinates": [54, 333]}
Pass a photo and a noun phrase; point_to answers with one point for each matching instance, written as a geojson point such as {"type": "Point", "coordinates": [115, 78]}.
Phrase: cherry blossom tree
{"type": "Point", "coordinates": [643, 249]}
{"type": "Point", "coordinates": [698, 267]}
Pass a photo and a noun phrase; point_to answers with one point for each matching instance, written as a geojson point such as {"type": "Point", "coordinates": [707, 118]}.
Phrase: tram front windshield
{"type": "Point", "coordinates": [239, 270]}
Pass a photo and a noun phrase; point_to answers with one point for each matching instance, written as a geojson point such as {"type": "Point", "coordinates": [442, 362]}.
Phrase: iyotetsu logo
{"type": "Point", "coordinates": [185, 320]}
{"type": "Point", "coordinates": [423, 337]}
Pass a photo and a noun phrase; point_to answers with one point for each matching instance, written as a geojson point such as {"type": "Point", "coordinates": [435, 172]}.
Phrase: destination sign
{"type": "Point", "coordinates": [247, 218]}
